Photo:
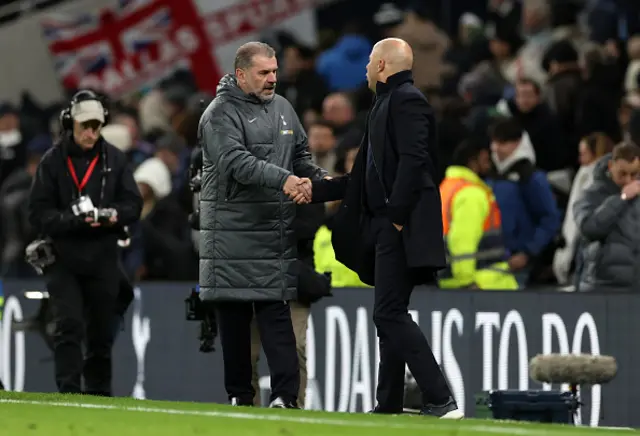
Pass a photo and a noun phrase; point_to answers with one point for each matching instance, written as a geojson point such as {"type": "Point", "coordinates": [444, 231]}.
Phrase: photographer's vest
{"type": "Point", "coordinates": [491, 249]}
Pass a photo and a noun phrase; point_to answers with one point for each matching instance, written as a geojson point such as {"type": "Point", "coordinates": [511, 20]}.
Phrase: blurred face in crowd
{"type": "Point", "coordinates": [350, 159]}
{"type": "Point", "coordinates": [309, 117]}
{"type": "Point", "coordinates": [499, 49]}
{"type": "Point", "coordinates": [321, 139]}
{"type": "Point", "coordinates": [293, 62]}
{"type": "Point", "coordinates": [10, 130]}
{"type": "Point", "coordinates": [624, 115]}
{"type": "Point", "coordinates": [260, 78]}
{"type": "Point", "coordinates": [337, 109]}
{"type": "Point", "coordinates": [482, 164]}
{"type": "Point", "coordinates": [586, 156]}
{"type": "Point", "coordinates": [527, 97]}
{"type": "Point", "coordinates": [533, 19]}
{"type": "Point", "coordinates": [624, 172]}
{"type": "Point", "coordinates": [170, 159]}
{"type": "Point", "coordinates": [504, 149]}
{"type": "Point", "coordinates": [130, 123]}
{"type": "Point", "coordinates": [86, 134]}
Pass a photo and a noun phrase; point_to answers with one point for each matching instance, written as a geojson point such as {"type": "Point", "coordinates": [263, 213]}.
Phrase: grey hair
{"type": "Point", "coordinates": [246, 53]}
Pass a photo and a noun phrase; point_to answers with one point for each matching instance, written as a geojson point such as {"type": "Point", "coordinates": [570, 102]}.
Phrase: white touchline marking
{"type": "Point", "coordinates": [306, 420]}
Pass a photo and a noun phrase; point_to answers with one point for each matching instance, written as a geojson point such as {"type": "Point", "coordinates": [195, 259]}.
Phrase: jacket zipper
{"type": "Point", "coordinates": [275, 144]}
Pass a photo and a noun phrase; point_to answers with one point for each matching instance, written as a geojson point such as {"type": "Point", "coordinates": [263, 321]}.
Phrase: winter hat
{"type": "Point", "coordinates": [118, 136]}
{"type": "Point", "coordinates": [154, 172]}
{"type": "Point", "coordinates": [471, 20]}
{"type": "Point", "coordinates": [388, 15]}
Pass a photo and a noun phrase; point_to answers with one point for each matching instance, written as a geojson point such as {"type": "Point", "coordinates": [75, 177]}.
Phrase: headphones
{"type": "Point", "coordinates": [66, 121]}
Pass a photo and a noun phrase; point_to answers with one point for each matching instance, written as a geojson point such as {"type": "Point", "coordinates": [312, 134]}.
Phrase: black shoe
{"type": "Point", "coordinates": [384, 411]}
{"type": "Point", "coordinates": [279, 403]}
{"type": "Point", "coordinates": [448, 410]}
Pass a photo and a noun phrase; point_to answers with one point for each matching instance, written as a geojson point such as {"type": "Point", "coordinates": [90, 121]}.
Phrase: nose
{"type": "Point", "coordinates": [271, 78]}
{"type": "Point", "coordinates": [91, 134]}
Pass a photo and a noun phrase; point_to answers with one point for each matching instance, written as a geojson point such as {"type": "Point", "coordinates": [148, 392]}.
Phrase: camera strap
{"type": "Point", "coordinates": [87, 174]}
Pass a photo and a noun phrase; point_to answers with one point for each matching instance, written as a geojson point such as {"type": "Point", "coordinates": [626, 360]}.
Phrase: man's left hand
{"type": "Point", "coordinates": [518, 261]}
{"type": "Point", "coordinates": [398, 227]}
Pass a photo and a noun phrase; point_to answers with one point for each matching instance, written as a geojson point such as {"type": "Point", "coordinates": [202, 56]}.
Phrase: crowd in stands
{"type": "Point", "coordinates": [541, 91]}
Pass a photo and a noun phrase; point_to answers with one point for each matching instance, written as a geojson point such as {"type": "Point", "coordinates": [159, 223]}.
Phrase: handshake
{"type": "Point", "coordinates": [299, 190]}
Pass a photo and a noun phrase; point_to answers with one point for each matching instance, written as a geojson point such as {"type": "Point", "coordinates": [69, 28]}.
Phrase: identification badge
{"type": "Point", "coordinates": [82, 206]}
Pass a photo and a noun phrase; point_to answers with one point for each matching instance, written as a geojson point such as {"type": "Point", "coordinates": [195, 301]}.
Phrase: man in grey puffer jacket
{"type": "Point", "coordinates": [253, 144]}
{"type": "Point", "coordinates": [608, 216]}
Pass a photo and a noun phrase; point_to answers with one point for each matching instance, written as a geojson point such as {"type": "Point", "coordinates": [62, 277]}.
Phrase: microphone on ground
{"type": "Point", "coordinates": [574, 369]}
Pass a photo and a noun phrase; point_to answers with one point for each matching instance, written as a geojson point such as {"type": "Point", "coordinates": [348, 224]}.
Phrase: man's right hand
{"type": "Point", "coordinates": [305, 194]}
{"type": "Point", "coordinates": [631, 190]}
{"type": "Point", "coordinates": [298, 189]}
{"type": "Point", "coordinates": [91, 222]}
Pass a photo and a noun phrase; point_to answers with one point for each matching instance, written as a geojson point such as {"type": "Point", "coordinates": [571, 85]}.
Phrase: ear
{"type": "Point", "coordinates": [610, 164]}
{"type": "Point", "coordinates": [239, 74]}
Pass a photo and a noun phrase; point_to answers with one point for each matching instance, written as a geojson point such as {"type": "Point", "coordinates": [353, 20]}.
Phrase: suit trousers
{"type": "Point", "coordinates": [401, 340]}
{"type": "Point", "coordinates": [84, 310]}
{"type": "Point", "coordinates": [300, 320]}
{"type": "Point", "coordinates": [278, 340]}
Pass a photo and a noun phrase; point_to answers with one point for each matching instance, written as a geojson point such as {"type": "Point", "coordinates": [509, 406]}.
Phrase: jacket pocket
{"type": "Point", "coordinates": [231, 190]}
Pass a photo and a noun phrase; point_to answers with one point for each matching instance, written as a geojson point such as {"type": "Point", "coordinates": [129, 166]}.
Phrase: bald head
{"type": "Point", "coordinates": [387, 58]}
{"type": "Point", "coordinates": [396, 53]}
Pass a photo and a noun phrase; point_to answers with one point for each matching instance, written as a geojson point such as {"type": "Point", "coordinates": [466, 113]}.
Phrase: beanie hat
{"type": "Point", "coordinates": [154, 172]}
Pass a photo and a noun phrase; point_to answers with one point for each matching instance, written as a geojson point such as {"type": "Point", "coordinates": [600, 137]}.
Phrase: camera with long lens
{"type": "Point", "coordinates": [40, 255]}
{"type": "Point", "coordinates": [195, 184]}
{"type": "Point", "coordinates": [83, 207]}
{"type": "Point", "coordinates": [197, 310]}
{"type": "Point", "coordinates": [103, 216]}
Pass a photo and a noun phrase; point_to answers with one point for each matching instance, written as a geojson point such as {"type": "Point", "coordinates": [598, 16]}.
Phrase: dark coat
{"type": "Point", "coordinates": [402, 134]}
{"type": "Point", "coordinates": [79, 247]}
{"type": "Point", "coordinates": [248, 249]}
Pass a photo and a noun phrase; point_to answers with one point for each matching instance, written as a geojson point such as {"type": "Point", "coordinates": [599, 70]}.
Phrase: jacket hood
{"type": "Point", "coordinates": [524, 151]}
{"type": "Point", "coordinates": [601, 178]}
{"type": "Point", "coordinates": [601, 169]}
{"type": "Point", "coordinates": [228, 86]}
{"type": "Point", "coordinates": [353, 48]}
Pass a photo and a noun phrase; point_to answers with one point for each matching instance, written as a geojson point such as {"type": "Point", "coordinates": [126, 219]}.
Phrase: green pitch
{"type": "Point", "coordinates": [67, 415]}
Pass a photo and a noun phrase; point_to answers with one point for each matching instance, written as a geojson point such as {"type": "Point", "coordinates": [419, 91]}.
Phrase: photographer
{"type": "Point", "coordinates": [82, 195]}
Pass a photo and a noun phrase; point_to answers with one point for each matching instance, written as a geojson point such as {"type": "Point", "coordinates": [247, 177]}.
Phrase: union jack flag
{"type": "Point", "coordinates": [63, 27]}
{"type": "Point", "coordinates": [94, 58]}
{"type": "Point", "coordinates": [130, 5]}
{"type": "Point", "coordinates": [88, 60]}
{"type": "Point", "coordinates": [148, 32]}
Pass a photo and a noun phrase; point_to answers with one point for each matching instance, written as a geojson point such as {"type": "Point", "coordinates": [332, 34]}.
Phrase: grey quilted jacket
{"type": "Point", "coordinates": [610, 228]}
{"type": "Point", "coordinates": [247, 246]}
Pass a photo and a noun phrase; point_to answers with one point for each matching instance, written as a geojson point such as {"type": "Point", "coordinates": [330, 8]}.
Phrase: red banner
{"type": "Point", "coordinates": [120, 50]}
